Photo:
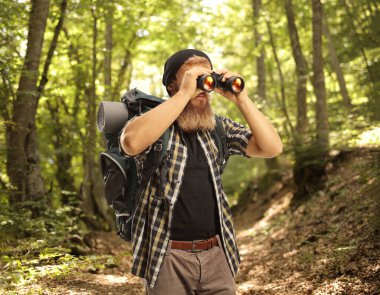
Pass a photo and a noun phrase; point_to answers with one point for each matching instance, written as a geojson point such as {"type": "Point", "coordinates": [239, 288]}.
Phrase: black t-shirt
{"type": "Point", "coordinates": [195, 214]}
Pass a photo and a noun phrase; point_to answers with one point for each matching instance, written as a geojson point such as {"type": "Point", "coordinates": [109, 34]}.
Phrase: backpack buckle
{"type": "Point", "coordinates": [140, 107]}
{"type": "Point", "coordinates": [220, 159]}
{"type": "Point", "coordinates": [158, 147]}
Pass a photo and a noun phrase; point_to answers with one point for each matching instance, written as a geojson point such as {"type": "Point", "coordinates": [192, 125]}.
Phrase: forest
{"type": "Point", "coordinates": [307, 221]}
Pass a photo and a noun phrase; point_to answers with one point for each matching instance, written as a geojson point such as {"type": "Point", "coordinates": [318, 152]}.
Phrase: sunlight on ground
{"type": "Point", "coordinates": [244, 287]}
{"type": "Point", "coordinates": [333, 287]}
{"type": "Point", "coordinates": [369, 138]}
{"type": "Point", "coordinates": [245, 249]}
{"type": "Point", "coordinates": [112, 279]}
{"type": "Point", "coordinates": [276, 208]}
{"type": "Point", "coordinates": [290, 253]}
{"type": "Point", "coordinates": [273, 287]}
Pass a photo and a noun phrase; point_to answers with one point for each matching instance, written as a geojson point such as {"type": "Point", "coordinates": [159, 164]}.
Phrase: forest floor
{"type": "Point", "coordinates": [329, 245]}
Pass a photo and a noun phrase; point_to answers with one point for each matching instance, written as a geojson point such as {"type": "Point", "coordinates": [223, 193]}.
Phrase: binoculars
{"type": "Point", "coordinates": [208, 83]}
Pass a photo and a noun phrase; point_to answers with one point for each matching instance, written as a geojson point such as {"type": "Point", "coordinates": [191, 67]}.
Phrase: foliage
{"type": "Point", "coordinates": [36, 246]}
{"type": "Point", "coordinates": [42, 261]}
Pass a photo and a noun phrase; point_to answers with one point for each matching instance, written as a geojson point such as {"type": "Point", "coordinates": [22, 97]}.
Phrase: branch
{"type": "Point", "coordinates": [271, 39]}
{"type": "Point", "coordinates": [53, 46]}
{"type": "Point", "coordinates": [128, 54]}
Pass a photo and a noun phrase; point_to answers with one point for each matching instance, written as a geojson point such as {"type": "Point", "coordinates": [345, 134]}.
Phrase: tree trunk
{"type": "Point", "coordinates": [319, 78]}
{"type": "Point", "coordinates": [91, 191]}
{"type": "Point", "coordinates": [52, 47]}
{"type": "Point", "coordinates": [94, 205]}
{"type": "Point", "coordinates": [309, 168]}
{"type": "Point", "coordinates": [22, 157]}
{"type": "Point", "coordinates": [126, 64]}
{"type": "Point", "coordinates": [281, 77]}
{"type": "Point", "coordinates": [63, 176]}
{"type": "Point", "coordinates": [272, 164]}
{"type": "Point", "coordinates": [64, 156]}
{"type": "Point", "coordinates": [108, 51]}
{"type": "Point", "coordinates": [125, 69]}
{"type": "Point", "coordinates": [336, 65]}
{"type": "Point", "coordinates": [88, 205]}
{"type": "Point", "coordinates": [80, 76]}
{"type": "Point", "coordinates": [300, 170]}
{"type": "Point", "coordinates": [278, 100]}
{"type": "Point", "coordinates": [260, 64]}
{"type": "Point", "coordinates": [302, 127]}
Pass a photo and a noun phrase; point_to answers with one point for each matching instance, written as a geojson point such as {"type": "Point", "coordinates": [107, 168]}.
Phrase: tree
{"type": "Point", "coordinates": [336, 65]}
{"type": "Point", "coordinates": [93, 206]}
{"type": "Point", "coordinates": [322, 131]}
{"type": "Point", "coordinates": [272, 165]}
{"type": "Point", "coordinates": [281, 77]}
{"type": "Point", "coordinates": [22, 153]}
{"type": "Point", "coordinates": [302, 126]}
{"type": "Point", "coordinates": [311, 158]}
{"type": "Point", "coordinates": [260, 60]}
{"type": "Point", "coordinates": [109, 9]}
{"type": "Point", "coordinates": [63, 160]}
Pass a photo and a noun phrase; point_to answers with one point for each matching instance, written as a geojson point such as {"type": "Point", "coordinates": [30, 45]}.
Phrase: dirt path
{"type": "Point", "coordinates": [329, 246]}
{"type": "Point", "coordinates": [114, 279]}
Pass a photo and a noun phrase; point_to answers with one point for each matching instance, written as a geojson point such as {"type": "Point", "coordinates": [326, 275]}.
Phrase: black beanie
{"type": "Point", "coordinates": [174, 62]}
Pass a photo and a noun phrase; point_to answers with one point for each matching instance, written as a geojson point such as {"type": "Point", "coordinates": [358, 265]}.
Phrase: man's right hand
{"type": "Point", "coordinates": [189, 82]}
{"type": "Point", "coordinates": [139, 134]}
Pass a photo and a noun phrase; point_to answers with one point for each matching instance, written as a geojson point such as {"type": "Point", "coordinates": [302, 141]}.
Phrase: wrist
{"type": "Point", "coordinates": [183, 94]}
{"type": "Point", "coordinates": [242, 101]}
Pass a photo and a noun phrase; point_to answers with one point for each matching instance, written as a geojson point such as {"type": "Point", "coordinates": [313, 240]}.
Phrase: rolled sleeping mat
{"type": "Point", "coordinates": [112, 116]}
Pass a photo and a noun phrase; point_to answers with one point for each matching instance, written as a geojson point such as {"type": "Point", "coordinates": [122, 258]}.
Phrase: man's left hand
{"type": "Point", "coordinates": [234, 97]}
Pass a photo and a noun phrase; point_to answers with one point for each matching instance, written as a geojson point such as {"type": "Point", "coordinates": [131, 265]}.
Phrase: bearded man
{"type": "Point", "coordinates": [183, 239]}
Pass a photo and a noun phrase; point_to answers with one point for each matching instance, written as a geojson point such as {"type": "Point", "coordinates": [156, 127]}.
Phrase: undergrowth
{"type": "Point", "coordinates": [33, 246]}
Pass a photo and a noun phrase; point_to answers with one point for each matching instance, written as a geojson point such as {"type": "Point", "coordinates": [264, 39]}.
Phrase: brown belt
{"type": "Point", "coordinates": [194, 246]}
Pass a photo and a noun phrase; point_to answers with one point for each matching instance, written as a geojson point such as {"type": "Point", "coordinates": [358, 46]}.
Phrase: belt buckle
{"type": "Point", "coordinates": [193, 246]}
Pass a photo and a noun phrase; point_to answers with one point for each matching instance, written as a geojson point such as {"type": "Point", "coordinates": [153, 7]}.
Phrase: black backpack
{"type": "Point", "coordinates": [122, 189]}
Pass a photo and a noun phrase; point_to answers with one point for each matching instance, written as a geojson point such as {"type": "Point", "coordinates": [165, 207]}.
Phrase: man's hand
{"type": "Point", "coordinates": [189, 81]}
{"type": "Point", "coordinates": [235, 98]}
{"type": "Point", "coordinates": [265, 142]}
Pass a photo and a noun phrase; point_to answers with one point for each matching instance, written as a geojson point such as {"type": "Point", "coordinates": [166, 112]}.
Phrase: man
{"type": "Point", "coordinates": [183, 238]}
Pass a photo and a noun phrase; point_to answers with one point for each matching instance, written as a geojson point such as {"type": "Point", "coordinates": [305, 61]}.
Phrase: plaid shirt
{"type": "Point", "coordinates": [152, 222]}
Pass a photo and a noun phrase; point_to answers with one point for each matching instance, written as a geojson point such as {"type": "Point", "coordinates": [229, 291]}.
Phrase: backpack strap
{"type": "Point", "coordinates": [158, 155]}
{"type": "Point", "coordinates": [220, 137]}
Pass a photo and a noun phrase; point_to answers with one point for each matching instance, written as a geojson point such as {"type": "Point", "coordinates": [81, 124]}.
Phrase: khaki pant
{"type": "Point", "coordinates": [184, 272]}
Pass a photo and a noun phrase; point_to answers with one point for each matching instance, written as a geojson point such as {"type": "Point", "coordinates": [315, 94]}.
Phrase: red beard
{"type": "Point", "coordinates": [197, 114]}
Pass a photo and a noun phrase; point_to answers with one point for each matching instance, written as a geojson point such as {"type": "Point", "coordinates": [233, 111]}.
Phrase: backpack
{"type": "Point", "coordinates": [122, 189]}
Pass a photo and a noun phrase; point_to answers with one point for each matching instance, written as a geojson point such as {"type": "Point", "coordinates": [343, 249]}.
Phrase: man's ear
{"type": "Point", "coordinates": [168, 91]}
{"type": "Point", "coordinates": [172, 88]}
